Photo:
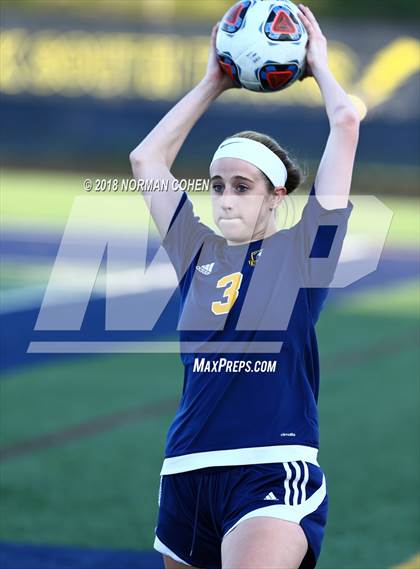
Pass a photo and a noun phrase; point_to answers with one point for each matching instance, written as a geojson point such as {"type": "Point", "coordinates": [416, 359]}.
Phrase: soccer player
{"type": "Point", "coordinates": [240, 485]}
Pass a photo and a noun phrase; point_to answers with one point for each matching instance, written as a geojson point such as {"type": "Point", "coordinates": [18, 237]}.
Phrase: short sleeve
{"type": "Point", "coordinates": [320, 238]}
{"type": "Point", "coordinates": [185, 236]}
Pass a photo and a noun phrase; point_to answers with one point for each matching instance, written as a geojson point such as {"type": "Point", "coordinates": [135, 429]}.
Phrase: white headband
{"type": "Point", "coordinates": [257, 154]}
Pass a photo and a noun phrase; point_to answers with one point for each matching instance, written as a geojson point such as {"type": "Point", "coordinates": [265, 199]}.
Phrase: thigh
{"type": "Point", "coordinates": [264, 543]}
{"type": "Point", "coordinates": [287, 504]}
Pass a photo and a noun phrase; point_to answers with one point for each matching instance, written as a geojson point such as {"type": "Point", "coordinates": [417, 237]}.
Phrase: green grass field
{"type": "Point", "coordinates": [86, 435]}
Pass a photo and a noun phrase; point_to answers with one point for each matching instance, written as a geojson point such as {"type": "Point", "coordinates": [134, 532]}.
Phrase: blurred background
{"type": "Point", "coordinates": [82, 435]}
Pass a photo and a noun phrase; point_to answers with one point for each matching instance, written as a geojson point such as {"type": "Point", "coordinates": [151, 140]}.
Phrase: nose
{"type": "Point", "coordinates": [227, 199]}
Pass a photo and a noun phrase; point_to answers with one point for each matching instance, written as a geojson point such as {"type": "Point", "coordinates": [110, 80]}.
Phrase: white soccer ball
{"type": "Point", "coordinates": [261, 44]}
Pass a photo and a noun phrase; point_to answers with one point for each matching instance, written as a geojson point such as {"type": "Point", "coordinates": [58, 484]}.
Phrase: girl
{"type": "Point", "coordinates": [240, 483]}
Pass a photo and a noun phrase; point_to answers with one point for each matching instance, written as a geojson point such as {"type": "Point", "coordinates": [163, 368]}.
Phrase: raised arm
{"type": "Point", "coordinates": [333, 179]}
{"type": "Point", "coordinates": [154, 156]}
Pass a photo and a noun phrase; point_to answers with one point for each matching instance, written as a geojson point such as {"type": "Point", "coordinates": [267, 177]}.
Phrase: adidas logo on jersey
{"type": "Point", "coordinates": [270, 496]}
{"type": "Point", "coordinates": [205, 269]}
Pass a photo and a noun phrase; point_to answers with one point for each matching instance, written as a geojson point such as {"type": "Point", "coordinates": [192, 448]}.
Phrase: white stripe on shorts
{"type": "Point", "coordinates": [161, 547]}
{"type": "Point", "coordinates": [287, 484]}
{"type": "Point", "coordinates": [305, 480]}
{"type": "Point", "coordinates": [295, 484]}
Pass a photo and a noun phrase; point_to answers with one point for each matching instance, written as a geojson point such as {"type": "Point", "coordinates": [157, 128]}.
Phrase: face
{"type": "Point", "coordinates": [241, 201]}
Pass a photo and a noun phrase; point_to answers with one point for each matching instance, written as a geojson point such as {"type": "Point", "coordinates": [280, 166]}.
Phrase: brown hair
{"type": "Point", "coordinates": [295, 175]}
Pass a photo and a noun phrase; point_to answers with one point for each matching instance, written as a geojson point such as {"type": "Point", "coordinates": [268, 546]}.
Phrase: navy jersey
{"type": "Point", "coordinates": [248, 343]}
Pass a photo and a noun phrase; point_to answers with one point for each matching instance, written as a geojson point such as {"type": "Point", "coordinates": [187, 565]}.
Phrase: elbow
{"type": "Point", "coordinates": [135, 157]}
{"type": "Point", "coordinates": [139, 157]}
{"type": "Point", "coordinates": [346, 117]}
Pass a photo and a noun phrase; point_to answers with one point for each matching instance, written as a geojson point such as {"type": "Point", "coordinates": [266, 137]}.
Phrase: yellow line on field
{"type": "Point", "coordinates": [413, 563]}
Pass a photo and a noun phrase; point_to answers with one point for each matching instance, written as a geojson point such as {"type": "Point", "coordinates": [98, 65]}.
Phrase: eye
{"type": "Point", "coordinates": [241, 188]}
{"type": "Point", "coordinates": [218, 188]}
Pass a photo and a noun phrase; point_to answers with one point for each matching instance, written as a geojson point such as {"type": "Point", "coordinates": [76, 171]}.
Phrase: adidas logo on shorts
{"type": "Point", "coordinates": [205, 269]}
{"type": "Point", "coordinates": [271, 496]}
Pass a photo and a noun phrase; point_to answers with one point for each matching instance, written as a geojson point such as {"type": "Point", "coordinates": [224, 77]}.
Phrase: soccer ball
{"type": "Point", "coordinates": [261, 44]}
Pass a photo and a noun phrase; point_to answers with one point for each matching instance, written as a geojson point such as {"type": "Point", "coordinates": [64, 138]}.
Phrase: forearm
{"type": "Point", "coordinates": [333, 179]}
{"type": "Point", "coordinates": [165, 140]}
{"type": "Point", "coordinates": [338, 104]}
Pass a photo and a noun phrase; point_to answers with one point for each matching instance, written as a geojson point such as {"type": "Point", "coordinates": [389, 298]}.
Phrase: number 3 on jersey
{"type": "Point", "coordinates": [233, 283]}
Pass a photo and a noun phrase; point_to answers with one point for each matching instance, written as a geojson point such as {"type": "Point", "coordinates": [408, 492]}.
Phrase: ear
{"type": "Point", "coordinates": [277, 196]}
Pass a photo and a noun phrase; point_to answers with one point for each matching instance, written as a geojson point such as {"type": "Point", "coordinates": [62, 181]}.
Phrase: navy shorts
{"type": "Point", "coordinates": [199, 507]}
